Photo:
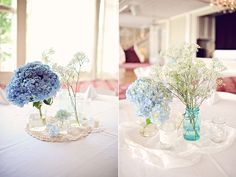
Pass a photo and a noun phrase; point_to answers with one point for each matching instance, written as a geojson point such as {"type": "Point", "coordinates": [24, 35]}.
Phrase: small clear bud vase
{"type": "Point", "coordinates": [36, 123]}
{"type": "Point", "coordinates": [148, 129]}
{"type": "Point", "coordinates": [191, 124]}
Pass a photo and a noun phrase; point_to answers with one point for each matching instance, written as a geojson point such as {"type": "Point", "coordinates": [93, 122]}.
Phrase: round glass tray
{"type": "Point", "coordinates": [184, 153]}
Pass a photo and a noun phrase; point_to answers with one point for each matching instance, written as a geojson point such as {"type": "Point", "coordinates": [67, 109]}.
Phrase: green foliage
{"type": "Point", "coordinates": [48, 101]}
{"type": "Point", "coordinates": [37, 104]}
{"type": "Point", "coordinates": [6, 2]}
{"type": "Point", "coordinates": [148, 121]}
{"type": "Point", "coordinates": [5, 29]}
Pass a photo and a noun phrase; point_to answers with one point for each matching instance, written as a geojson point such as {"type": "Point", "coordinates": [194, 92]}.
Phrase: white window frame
{"type": "Point", "coordinates": [21, 38]}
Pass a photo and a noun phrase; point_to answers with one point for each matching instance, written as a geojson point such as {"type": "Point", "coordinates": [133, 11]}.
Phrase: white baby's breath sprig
{"type": "Point", "coordinates": [189, 78]}
{"type": "Point", "coordinates": [69, 74]}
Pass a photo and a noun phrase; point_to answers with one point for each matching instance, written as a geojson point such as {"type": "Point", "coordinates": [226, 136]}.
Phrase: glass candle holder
{"type": "Point", "coordinates": [36, 123]}
{"type": "Point", "coordinates": [63, 126]}
{"type": "Point", "coordinates": [218, 130]}
{"type": "Point", "coordinates": [168, 135]}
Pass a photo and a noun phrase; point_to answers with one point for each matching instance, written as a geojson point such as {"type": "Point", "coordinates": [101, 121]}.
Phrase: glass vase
{"type": "Point", "coordinates": [168, 134]}
{"type": "Point", "coordinates": [148, 128]}
{"type": "Point", "coordinates": [218, 130]}
{"type": "Point", "coordinates": [77, 117]}
{"type": "Point", "coordinates": [191, 124]}
{"type": "Point", "coordinates": [36, 123]}
{"type": "Point", "coordinates": [74, 122]}
{"type": "Point", "coordinates": [63, 126]}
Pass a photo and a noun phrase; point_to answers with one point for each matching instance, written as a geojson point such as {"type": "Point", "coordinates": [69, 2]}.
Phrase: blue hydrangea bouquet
{"type": "Point", "coordinates": [34, 82]}
{"type": "Point", "coordinates": [151, 99]}
{"type": "Point", "coordinates": [39, 83]}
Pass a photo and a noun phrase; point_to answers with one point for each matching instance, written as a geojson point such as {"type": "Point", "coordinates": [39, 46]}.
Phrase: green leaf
{"type": "Point", "coordinates": [37, 104]}
{"type": "Point", "coordinates": [148, 121]}
{"type": "Point", "coordinates": [48, 101]}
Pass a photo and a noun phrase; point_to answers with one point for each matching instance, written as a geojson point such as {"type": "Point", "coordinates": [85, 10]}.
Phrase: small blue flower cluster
{"type": "Point", "coordinates": [150, 98]}
{"type": "Point", "coordinates": [31, 83]}
{"type": "Point", "coordinates": [53, 130]}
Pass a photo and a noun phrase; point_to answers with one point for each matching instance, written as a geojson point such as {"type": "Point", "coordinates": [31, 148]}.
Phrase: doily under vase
{"type": "Point", "coordinates": [58, 132]}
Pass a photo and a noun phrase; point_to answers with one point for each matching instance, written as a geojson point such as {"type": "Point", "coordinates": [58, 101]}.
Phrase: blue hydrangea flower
{"type": "Point", "coordinates": [151, 98]}
{"type": "Point", "coordinates": [53, 130]}
{"type": "Point", "coordinates": [31, 83]}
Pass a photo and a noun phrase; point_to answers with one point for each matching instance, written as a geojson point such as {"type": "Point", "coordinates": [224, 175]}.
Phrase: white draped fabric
{"type": "Point", "coordinates": [93, 156]}
{"type": "Point", "coordinates": [218, 164]}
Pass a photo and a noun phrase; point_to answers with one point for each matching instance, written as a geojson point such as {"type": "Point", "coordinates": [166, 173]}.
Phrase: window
{"type": "Point", "coordinates": [66, 26]}
{"type": "Point", "coordinates": [8, 35]}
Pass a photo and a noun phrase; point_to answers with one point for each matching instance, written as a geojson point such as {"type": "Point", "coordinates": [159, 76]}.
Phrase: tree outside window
{"type": "Point", "coordinates": [7, 34]}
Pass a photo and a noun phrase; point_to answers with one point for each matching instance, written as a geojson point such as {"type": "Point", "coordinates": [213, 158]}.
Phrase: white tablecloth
{"type": "Point", "coordinates": [93, 156]}
{"type": "Point", "coordinates": [211, 165]}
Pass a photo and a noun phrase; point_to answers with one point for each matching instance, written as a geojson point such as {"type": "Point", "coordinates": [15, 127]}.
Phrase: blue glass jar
{"type": "Point", "coordinates": [191, 124]}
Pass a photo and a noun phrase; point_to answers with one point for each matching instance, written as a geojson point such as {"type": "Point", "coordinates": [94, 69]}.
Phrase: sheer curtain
{"type": "Point", "coordinates": [108, 40]}
{"type": "Point", "coordinates": [70, 26]}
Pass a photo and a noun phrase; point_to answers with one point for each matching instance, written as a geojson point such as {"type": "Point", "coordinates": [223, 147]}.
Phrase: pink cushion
{"type": "Point", "coordinates": [122, 91]}
{"type": "Point", "coordinates": [229, 85]}
{"type": "Point", "coordinates": [2, 86]}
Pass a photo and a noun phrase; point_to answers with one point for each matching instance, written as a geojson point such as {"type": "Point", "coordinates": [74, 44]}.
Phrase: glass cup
{"type": "Point", "coordinates": [36, 123]}
{"type": "Point", "coordinates": [168, 135]}
{"type": "Point", "coordinates": [218, 130]}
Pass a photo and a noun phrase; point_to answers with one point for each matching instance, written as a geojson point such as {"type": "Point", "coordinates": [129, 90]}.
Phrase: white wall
{"type": "Point", "coordinates": [177, 30]}
{"type": "Point", "coordinates": [154, 44]}
{"type": "Point", "coordinates": [184, 27]}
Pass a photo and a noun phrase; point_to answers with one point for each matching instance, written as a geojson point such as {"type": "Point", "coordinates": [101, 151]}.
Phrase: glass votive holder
{"type": "Point", "coordinates": [168, 135]}
{"type": "Point", "coordinates": [148, 130]}
{"type": "Point", "coordinates": [63, 126]}
{"type": "Point", "coordinates": [36, 123]}
{"type": "Point", "coordinates": [218, 130]}
{"type": "Point", "coordinates": [96, 124]}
